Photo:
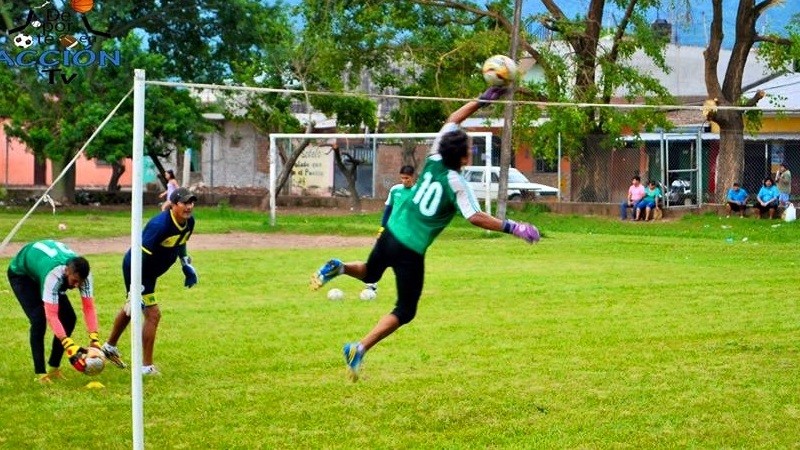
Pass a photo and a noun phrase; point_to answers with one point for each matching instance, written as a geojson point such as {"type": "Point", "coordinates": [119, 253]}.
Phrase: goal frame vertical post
{"type": "Point", "coordinates": [135, 293]}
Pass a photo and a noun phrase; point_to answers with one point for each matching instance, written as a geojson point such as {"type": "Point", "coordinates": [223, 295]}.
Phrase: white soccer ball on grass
{"type": "Point", "coordinates": [335, 294]}
{"type": "Point", "coordinates": [367, 294]}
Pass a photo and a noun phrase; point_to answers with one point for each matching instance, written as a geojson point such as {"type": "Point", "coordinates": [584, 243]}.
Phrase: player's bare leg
{"type": "Point", "coordinates": [354, 351]}
{"type": "Point", "coordinates": [152, 316]}
{"type": "Point", "coordinates": [121, 322]}
{"type": "Point", "coordinates": [387, 325]}
{"type": "Point", "coordinates": [356, 269]}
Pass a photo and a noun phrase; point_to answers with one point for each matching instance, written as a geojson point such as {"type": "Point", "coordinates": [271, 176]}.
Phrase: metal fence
{"type": "Point", "coordinates": [689, 167]}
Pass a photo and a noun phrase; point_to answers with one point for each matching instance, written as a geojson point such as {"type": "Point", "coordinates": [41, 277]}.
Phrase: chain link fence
{"type": "Point", "coordinates": [691, 168]}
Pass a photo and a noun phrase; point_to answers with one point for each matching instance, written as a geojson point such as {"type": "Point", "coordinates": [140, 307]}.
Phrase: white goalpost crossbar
{"type": "Point", "coordinates": [273, 155]}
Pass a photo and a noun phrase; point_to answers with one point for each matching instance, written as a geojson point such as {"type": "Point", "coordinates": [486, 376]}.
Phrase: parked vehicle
{"type": "Point", "coordinates": [680, 193]}
{"type": "Point", "coordinates": [519, 186]}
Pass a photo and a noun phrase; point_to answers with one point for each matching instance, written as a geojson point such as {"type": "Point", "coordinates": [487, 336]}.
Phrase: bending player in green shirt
{"type": "Point", "coordinates": [40, 274]}
{"type": "Point", "coordinates": [439, 193]}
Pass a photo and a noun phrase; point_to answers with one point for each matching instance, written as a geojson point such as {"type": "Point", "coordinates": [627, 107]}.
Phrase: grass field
{"type": "Point", "coordinates": [676, 334]}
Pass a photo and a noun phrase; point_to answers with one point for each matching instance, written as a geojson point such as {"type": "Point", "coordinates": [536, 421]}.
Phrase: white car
{"type": "Point", "coordinates": [519, 186]}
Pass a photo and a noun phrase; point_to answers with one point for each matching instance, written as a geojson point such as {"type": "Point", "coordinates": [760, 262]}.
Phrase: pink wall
{"type": "Point", "coordinates": [17, 169]}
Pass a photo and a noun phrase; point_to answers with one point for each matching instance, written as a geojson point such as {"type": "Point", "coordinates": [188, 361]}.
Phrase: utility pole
{"type": "Point", "coordinates": [506, 149]}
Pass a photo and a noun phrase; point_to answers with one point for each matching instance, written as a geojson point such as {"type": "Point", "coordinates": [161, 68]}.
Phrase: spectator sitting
{"type": "Point", "coordinates": [737, 200]}
{"type": "Point", "coordinates": [767, 199]}
{"type": "Point", "coordinates": [649, 202]}
{"type": "Point", "coordinates": [635, 194]}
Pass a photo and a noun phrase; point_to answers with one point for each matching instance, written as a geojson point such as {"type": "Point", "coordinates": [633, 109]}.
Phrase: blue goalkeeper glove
{"type": "Point", "coordinates": [188, 272]}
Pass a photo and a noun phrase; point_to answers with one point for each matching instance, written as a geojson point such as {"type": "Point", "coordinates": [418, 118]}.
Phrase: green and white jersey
{"type": "Point", "coordinates": [397, 194]}
{"type": "Point", "coordinates": [433, 201]}
{"type": "Point", "coordinates": [45, 261]}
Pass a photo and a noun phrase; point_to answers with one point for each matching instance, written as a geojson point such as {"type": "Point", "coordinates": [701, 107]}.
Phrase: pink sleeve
{"type": "Point", "coordinates": [89, 314]}
{"type": "Point", "coordinates": [51, 313]}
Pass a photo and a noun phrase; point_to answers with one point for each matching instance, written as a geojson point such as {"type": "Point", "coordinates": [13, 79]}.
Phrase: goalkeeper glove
{"type": "Point", "coordinates": [75, 354]}
{"type": "Point", "coordinates": [524, 231]}
{"type": "Point", "coordinates": [94, 340]}
{"type": "Point", "coordinates": [492, 93]}
{"type": "Point", "coordinates": [188, 272]}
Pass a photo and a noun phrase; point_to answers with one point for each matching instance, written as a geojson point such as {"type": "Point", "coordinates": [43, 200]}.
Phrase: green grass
{"type": "Point", "coordinates": [604, 335]}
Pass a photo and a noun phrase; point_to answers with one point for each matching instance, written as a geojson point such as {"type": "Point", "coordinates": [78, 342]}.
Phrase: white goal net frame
{"type": "Point", "coordinates": [274, 160]}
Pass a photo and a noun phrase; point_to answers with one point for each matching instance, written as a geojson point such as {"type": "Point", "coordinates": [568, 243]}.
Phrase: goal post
{"type": "Point", "coordinates": [370, 141]}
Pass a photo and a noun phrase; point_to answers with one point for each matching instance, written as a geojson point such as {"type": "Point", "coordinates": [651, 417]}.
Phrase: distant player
{"type": "Point", "coordinates": [40, 274]}
{"type": "Point", "coordinates": [439, 193]}
{"type": "Point", "coordinates": [397, 194]}
{"type": "Point", "coordinates": [163, 242]}
{"type": "Point", "coordinates": [172, 185]}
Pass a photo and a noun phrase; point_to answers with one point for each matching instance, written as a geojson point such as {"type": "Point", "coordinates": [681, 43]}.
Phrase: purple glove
{"type": "Point", "coordinates": [493, 93]}
{"type": "Point", "coordinates": [524, 231]}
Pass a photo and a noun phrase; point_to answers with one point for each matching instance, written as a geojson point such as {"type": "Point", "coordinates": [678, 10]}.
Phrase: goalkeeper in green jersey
{"type": "Point", "coordinates": [439, 193]}
{"type": "Point", "coordinates": [40, 275]}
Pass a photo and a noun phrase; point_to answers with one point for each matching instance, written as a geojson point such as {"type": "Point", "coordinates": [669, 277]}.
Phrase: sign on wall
{"type": "Point", "coordinates": [313, 172]}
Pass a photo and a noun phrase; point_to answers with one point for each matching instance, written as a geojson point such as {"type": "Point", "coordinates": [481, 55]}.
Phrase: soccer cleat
{"type": "Point", "coordinates": [55, 374]}
{"type": "Point", "coordinates": [329, 271]}
{"type": "Point", "coordinates": [43, 379]}
{"type": "Point", "coordinates": [113, 355]}
{"type": "Point", "coordinates": [353, 357]}
{"type": "Point", "coordinates": [150, 371]}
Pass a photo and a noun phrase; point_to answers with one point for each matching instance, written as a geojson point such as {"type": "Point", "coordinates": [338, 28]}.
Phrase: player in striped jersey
{"type": "Point", "coordinates": [439, 193]}
{"type": "Point", "coordinates": [40, 275]}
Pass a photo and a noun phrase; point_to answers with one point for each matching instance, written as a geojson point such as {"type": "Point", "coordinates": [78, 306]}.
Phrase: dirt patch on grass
{"type": "Point", "coordinates": [226, 241]}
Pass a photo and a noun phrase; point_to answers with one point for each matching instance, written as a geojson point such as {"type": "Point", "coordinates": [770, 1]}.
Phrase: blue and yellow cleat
{"type": "Point", "coordinates": [353, 355]}
{"type": "Point", "coordinates": [329, 271]}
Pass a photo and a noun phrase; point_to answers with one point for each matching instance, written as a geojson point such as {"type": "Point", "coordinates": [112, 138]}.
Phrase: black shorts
{"type": "Point", "coordinates": [409, 271]}
{"type": "Point", "coordinates": [767, 207]}
{"type": "Point", "coordinates": [151, 270]}
{"type": "Point", "coordinates": [735, 207]}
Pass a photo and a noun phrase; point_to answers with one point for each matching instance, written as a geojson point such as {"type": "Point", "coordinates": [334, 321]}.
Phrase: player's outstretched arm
{"type": "Point", "coordinates": [522, 230]}
{"type": "Point", "coordinates": [469, 108]}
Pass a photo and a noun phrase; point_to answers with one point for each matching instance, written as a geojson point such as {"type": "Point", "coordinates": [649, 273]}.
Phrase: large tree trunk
{"type": "Point", "coordinates": [159, 168]}
{"type": "Point", "coordinates": [349, 174]}
{"type": "Point", "coordinates": [591, 171]}
{"type": "Point", "coordinates": [64, 191]}
{"type": "Point", "coordinates": [730, 162]}
{"type": "Point", "coordinates": [117, 169]}
{"type": "Point", "coordinates": [409, 153]}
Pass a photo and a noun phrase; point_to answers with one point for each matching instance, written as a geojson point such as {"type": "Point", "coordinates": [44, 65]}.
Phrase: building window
{"type": "Point", "coordinates": [546, 165]}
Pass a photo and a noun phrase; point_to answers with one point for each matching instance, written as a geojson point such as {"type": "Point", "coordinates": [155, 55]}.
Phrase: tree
{"type": "Point", "coordinates": [309, 59]}
{"type": "Point", "coordinates": [197, 40]}
{"type": "Point", "coordinates": [780, 51]}
{"type": "Point", "coordinates": [443, 40]}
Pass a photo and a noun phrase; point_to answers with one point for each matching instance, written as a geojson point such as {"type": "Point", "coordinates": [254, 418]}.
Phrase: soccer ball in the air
{"type": "Point", "coordinates": [499, 70]}
{"type": "Point", "coordinates": [95, 361]}
{"type": "Point", "coordinates": [23, 40]}
{"type": "Point", "coordinates": [335, 294]}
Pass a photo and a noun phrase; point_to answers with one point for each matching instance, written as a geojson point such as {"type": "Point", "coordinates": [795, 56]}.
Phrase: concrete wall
{"type": "Point", "coordinates": [17, 167]}
{"type": "Point", "coordinates": [236, 156]}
